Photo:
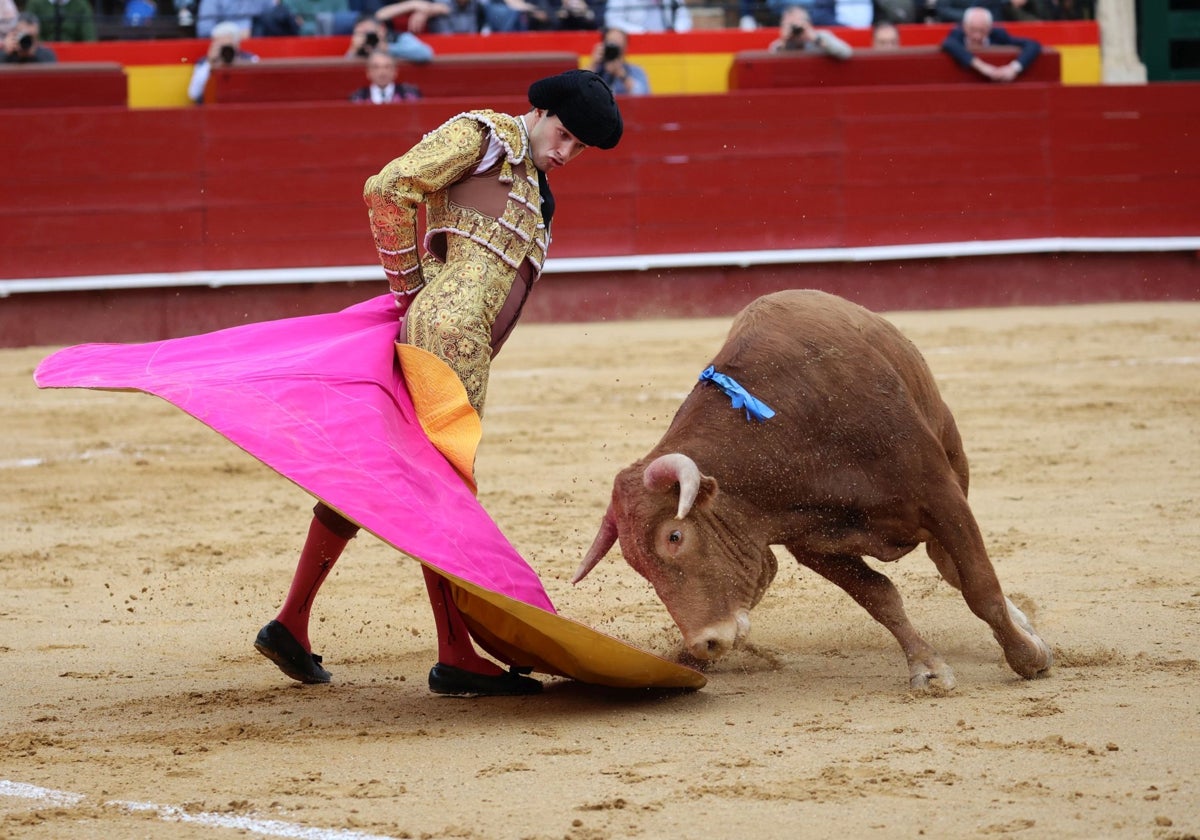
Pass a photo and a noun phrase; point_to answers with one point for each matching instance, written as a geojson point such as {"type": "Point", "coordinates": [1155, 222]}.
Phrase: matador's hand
{"type": "Point", "coordinates": [403, 302]}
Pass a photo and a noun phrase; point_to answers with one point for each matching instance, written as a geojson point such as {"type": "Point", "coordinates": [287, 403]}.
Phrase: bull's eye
{"type": "Point", "coordinates": [675, 538]}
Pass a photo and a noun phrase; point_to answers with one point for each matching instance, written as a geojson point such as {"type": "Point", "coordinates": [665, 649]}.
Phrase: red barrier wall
{"type": "Point", "coordinates": [53, 85]}
{"type": "Point", "coordinates": [908, 66]}
{"type": "Point", "coordinates": [100, 191]}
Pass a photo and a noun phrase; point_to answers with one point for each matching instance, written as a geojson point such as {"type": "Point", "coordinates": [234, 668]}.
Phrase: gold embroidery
{"type": "Point", "coordinates": [453, 316]}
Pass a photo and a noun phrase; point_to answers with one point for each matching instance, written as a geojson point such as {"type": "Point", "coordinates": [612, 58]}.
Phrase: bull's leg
{"type": "Point", "coordinates": [876, 594]}
{"type": "Point", "coordinates": [958, 551]}
{"type": "Point", "coordinates": [945, 566]}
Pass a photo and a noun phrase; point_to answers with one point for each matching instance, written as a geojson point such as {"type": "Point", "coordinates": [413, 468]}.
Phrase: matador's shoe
{"type": "Point", "coordinates": [278, 644]}
{"type": "Point", "coordinates": [447, 679]}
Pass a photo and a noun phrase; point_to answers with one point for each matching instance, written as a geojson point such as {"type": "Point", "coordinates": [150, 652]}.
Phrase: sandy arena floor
{"type": "Point", "coordinates": [143, 552]}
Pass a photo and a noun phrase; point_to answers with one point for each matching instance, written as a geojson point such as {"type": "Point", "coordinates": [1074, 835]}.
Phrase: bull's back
{"type": "Point", "coordinates": [852, 396]}
{"type": "Point", "coordinates": [830, 345]}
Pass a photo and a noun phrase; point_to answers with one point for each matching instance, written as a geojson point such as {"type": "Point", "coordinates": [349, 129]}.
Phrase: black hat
{"type": "Point", "coordinates": [583, 103]}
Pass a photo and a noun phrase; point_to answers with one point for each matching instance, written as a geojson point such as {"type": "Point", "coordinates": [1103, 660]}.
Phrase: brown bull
{"type": "Point", "coordinates": [861, 458]}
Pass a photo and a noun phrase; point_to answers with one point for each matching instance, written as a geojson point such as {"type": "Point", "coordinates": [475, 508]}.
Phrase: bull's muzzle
{"type": "Point", "coordinates": [716, 640]}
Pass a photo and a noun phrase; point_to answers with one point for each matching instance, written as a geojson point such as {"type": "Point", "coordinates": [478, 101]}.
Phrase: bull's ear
{"type": "Point", "coordinates": [707, 492]}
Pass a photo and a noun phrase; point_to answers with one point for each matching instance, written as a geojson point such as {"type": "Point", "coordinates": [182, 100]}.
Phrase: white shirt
{"type": "Point", "coordinates": [382, 95]}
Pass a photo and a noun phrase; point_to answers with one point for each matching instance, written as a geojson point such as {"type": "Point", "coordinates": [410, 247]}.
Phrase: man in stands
{"type": "Point", "coordinates": [978, 31]}
{"type": "Point", "coordinates": [22, 44]}
{"type": "Point", "coordinates": [64, 20]}
{"type": "Point", "coordinates": [223, 50]}
{"type": "Point", "coordinates": [370, 35]}
{"type": "Point", "coordinates": [797, 33]}
{"type": "Point", "coordinates": [610, 63]}
{"type": "Point", "coordinates": [382, 87]}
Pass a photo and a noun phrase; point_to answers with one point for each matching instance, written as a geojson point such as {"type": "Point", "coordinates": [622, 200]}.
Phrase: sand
{"type": "Point", "coordinates": [143, 552]}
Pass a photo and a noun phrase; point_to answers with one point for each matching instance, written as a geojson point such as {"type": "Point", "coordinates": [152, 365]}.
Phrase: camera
{"type": "Point", "coordinates": [611, 52]}
{"type": "Point", "coordinates": [371, 39]}
{"type": "Point", "coordinates": [795, 31]}
{"type": "Point", "coordinates": [25, 42]}
{"type": "Point", "coordinates": [228, 53]}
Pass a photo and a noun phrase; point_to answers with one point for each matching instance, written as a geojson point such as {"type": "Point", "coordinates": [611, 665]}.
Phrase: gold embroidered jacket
{"type": "Point", "coordinates": [428, 173]}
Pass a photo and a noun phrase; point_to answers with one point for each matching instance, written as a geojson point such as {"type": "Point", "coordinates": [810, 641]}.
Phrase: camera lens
{"type": "Point", "coordinates": [611, 52]}
{"type": "Point", "coordinates": [372, 39]}
{"type": "Point", "coordinates": [228, 54]}
{"type": "Point", "coordinates": [25, 41]}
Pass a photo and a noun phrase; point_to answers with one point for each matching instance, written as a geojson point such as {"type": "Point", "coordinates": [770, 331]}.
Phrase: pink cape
{"type": "Point", "coordinates": [321, 400]}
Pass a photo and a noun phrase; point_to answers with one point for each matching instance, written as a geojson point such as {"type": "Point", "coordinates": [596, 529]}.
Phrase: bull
{"type": "Point", "coordinates": [861, 458]}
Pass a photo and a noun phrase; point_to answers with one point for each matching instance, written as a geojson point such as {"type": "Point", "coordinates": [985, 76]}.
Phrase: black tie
{"type": "Point", "coordinates": [547, 198]}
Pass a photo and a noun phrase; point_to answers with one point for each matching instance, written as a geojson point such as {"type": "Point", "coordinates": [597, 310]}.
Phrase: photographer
{"type": "Point", "coordinates": [796, 32]}
{"type": "Point", "coordinates": [223, 50]}
{"type": "Point", "coordinates": [370, 34]}
{"type": "Point", "coordinates": [608, 62]}
{"type": "Point", "coordinates": [22, 44]}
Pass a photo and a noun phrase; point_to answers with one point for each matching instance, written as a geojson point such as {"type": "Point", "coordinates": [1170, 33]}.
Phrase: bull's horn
{"type": "Point", "coordinates": [600, 546]}
{"type": "Point", "coordinates": [675, 468]}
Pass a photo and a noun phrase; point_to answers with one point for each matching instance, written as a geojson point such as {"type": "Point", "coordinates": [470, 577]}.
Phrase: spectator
{"type": "Point", "coordinates": [796, 32]}
{"type": "Point", "coordinates": [608, 62]}
{"type": "Point", "coordinates": [382, 88]}
{"type": "Point", "coordinates": [185, 12]}
{"type": "Point", "coordinates": [64, 20]}
{"type": "Point", "coordinates": [516, 15]}
{"type": "Point", "coordinates": [369, 34]}
{"type": "Point", "coordinates": [885, 36]}
{"type": "Point", "coordinates": [953, 10]}
{"type": "Point", "coordinates": [322, 17]}
{"type": "Point", "coordinates": [276, 20]}
{"type": "Point", "coordinates": [978, 31]}
{"type": "Point", "coordinates": [902, 11]}
{"type": "Point", "coordinates": [820, 12]}
{"type": "Point", "coordinates": [857, 13]}
{"type": "Point", "coordinates": [577, 14]}
{"type": "Point", "coordinates": [23, 45]}
{"type": "Point", "coordinates": [140, 12]}
{"type": "Point", "coordinates": [225, 49]}
{"type": "Point", "coordinates": [8, 17]}
{"type": "Point", "coordinates": [242, 12]}
{"type": "Point", "coordinates": [439, 17]}
{"type": "Point", "coordinates": [638, 16]}
{"type": "Point", "coordinates": [747, 19]}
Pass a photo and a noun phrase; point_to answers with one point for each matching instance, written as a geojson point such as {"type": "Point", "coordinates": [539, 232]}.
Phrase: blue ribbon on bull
{"type": "Point", "coordinates": [756, 409]}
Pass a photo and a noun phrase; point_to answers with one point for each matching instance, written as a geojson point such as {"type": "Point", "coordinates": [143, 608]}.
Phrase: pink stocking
{"type": "Point", "coordinates": [454, 641]}
{"type": "Point", "coordinates": [321, 550]}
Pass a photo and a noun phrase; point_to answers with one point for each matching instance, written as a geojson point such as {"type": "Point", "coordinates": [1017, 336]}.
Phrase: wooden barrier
{"type": "Point", "coordinates": [55, 85]}
{"type": "Point", "coordinates": [275, 185]}
{"type": "Point", "coordinates": [111, 190]}
{"type": "Point", "coordinates": [333, 79]}
{"type": "Point", "coordinates": [905, 66]}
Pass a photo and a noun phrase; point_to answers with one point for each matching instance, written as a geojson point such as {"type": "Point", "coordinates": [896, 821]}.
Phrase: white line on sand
{"type": "Point", "coordinates": [170, 813]}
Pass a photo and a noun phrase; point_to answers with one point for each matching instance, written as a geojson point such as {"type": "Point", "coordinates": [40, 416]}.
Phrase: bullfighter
{"type": "Point", "coordinates": [482, 177]}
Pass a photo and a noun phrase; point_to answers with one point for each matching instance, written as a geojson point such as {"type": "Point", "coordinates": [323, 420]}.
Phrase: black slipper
{"type": "Point", "coordinates": [278, 644]}
{"type": "Point", "coordinates": [447, 679]}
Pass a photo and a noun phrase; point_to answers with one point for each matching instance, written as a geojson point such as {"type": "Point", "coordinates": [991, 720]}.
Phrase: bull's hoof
{"type": "Point", "coordinates": [1033, 664]}
{"type": "Point", "coordinates": [936, 682]}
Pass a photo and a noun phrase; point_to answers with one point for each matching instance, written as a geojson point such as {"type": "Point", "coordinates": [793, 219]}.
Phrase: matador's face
{"type": "Point", "coordinates": [551, 144]}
